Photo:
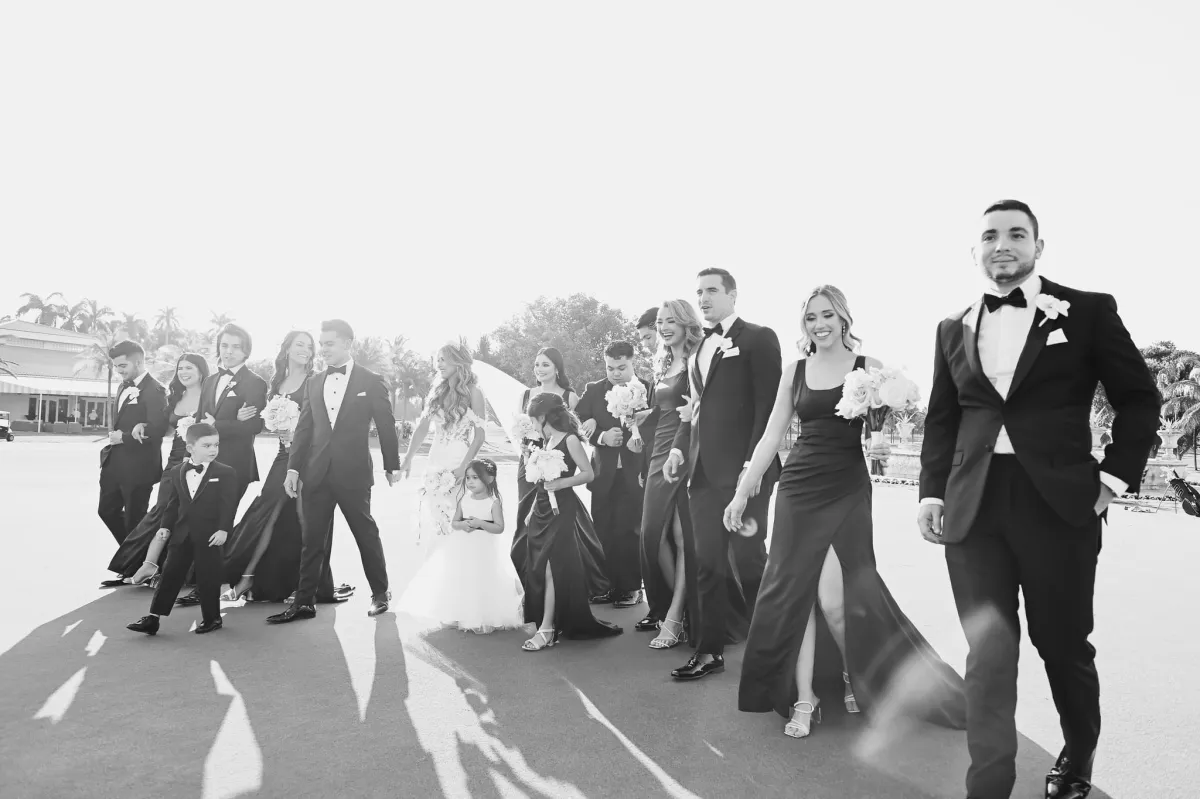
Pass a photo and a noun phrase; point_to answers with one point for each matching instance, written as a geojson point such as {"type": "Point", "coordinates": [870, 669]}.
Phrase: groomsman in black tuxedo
{"type": "Point", "coordinates": [617, 487]}
{"type": "Point", "coordinates": [1010, 486]}
{"type": "Point", "coordinates": [734, 377]}
{"type": "Point", "coordinates": [131, 462]}
{"type": "Point", "coordinates": [331, 467]}
{"type": "Point", "coordinates": [226, 392]}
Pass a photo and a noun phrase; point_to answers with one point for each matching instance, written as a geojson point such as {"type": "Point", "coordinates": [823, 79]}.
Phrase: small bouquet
{"type": "Point", "coordinates": [181, 427]}
{"type": "Point", "coordinates": [544, 465]}
{"type": "Point", "coordinates": [871, 393]}
{"type": "Point", "coordinates": [281, 414]}
{"type": "Point", "coordinates": [624, 402]}
{"type": "Point", "coordinates": [525, 430]}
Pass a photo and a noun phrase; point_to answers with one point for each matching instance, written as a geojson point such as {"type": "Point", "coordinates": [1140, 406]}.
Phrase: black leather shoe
{"type": "Point", "coordinates": [146, 624]}
{"type": "Point", "coordinates": [208, 626]}
{"type": "Point", "coordinates": [379, 604]}
{"type": "Point", "coordinates": [627, 600]}
{"type": "Point", "coordinates": [648, 623]}
{"type": "Point", "coordinates": [117, 583]}
{"type": "Point", "coordinates": [293, 613]}
{"type": "Point", "coordinates": [189, 600]}
{"type": "Point", "coordinates": [694, 670]}
{"type": "Point", "coordinates": [1064, 781]}
{"type": "Point", "coordinates": [603, 599]}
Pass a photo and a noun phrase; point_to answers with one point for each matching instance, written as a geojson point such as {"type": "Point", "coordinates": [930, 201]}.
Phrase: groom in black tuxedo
{"type": "Point", "coordinates": [735, 377]}
{"type": "Point", "coordinates": [331, 459]}
{"type": "Point", "coordinates": [1010, 487]}
{"type": "Point", "coordinates": [224, 393]}
{"type": "Point", "coordinates": [131, 462]}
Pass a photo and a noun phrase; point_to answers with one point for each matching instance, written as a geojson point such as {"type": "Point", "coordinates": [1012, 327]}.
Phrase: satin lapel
{"type": "Point", "coordinates": [218, 401]}
{"type": "Point", "coordinates": [697, 380]}
{"type": "Point", "coordinates": [1034, 344]}
{"type": "Point", "coordinates": [970, 331]}
{"type": "Point", "coordinates": [734, 331]}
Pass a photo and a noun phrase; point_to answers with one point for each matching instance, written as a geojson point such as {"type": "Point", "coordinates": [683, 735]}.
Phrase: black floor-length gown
{"type": "Point", "coordinates": [663, 500]}
{"type": "Point", "coordinates": [278, 571]}
{"type": "Point", "coordinates": [568, 541]}
{"type": "Point", "coordinates": [131, 554]}
{"type": "Point", "coordinates": [824, 500]}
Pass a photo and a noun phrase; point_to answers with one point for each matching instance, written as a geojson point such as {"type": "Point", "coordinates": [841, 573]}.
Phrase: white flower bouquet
{"type": "Point", "coordinates": [438, 489]}
{"type": "Point", "coordinates": [525, 430]}
{"type": "Point", "coordinates": [181, 427]}
{"type": "Point", "coordinates": [281, 414]}
{"type": "Point", "coordinates": [624, 402]}
{"type": "Point", "coordinates": [544, 465]}
{"type": "Point", "coordinates": [870, 393]}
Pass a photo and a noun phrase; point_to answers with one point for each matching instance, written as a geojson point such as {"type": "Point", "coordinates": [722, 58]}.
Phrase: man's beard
{"type": "Point", "coordinates": [1024, 270]}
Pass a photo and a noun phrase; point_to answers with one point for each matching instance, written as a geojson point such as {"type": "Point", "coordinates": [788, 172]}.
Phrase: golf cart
{"type": "Point", "coordinates": [5, 426]}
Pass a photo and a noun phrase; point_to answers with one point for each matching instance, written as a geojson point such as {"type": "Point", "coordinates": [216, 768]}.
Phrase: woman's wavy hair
{"type": "Point", "coordinates": [838, 300]}
{"type": "Point", "coordinates": [452, 395]}
{"type": "Point", "coordinates": [552, 409]}
{"type": "Point", "coordinates": [555, 357]}
{"type": "Point", "coordinates": [176, 388]}
{"type": "Point", "coordinates": [485, 470]}
{"type": "Point", "coordinates": [282, 360]}
{"type": "Point", "coordinates": [685, 314]}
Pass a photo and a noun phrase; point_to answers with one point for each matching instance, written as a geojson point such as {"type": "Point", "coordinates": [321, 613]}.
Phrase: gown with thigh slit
{"type": "Point", "coordinates": [823, 501]}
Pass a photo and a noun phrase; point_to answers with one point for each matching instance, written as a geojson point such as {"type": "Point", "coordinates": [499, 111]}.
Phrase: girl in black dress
{"type": "Point", "coordinates": [551, 378]}
{"type": "Point", "coordinates": [263, 553]}
{"type": "Point", "coordinates": [822, 553]}
{"type": "Point", "coordinates": [558, 554]}
{"type": "Point", "coordinates": [136, 559]}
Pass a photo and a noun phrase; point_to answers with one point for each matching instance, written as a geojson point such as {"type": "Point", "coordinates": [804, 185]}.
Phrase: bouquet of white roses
{"type": "Point", "coordinates": [624, 402]}
{"type": "Point", "coordinates": [438, 490]}
{"type": "Point", "coordinates": [281, 414]}
{"type": "Point", "coordinates": [181, 427]}
{"type": "Point", "coordinates": [872, 392]}
{"type": "Point", "coordinates": [544, 465]}
{"type": "Point", "coordinates": [525, 430]}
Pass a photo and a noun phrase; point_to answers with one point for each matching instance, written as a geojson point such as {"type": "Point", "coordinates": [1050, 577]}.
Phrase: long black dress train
{"type": "Point", "coordinates": [824, 500]}
{"type": "Point", "coordinates": [568, 541]}
{"type": "Point", "coordinates": [278, 571]}
{"type": "Point", "coordinates": [131, 554]}
{"type": "Point", "coordinates": [662, 500]}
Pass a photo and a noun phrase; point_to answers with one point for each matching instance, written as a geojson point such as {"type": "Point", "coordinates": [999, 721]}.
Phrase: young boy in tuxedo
{"type": "Point", "coordinates": [201, 503]}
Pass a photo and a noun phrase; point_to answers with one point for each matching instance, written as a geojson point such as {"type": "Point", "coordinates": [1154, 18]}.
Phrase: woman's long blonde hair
{"type": "Point", "coordinates": [452, 395]}
{"type": "Point", "coordinates": [838, 300]}
{"type": "Point", "coordinates": [693, 332]}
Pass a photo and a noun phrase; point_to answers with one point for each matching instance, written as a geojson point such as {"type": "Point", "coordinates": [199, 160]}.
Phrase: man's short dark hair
{"type": "Point", "coordinates": [339, 326]}
{"type": "Point", "coordinates": [230, 329]}
{"type": "Point", "coordinates": [1015, 205]}
{"type": "Point", "coordinates": [127, 348]}
{"type": "Point", "coordinates": [648, 319]}
{"type": "Point", "coordinates": [619, 349]}
{"type": "Point", "coordinates": [200, 430]}
{"type": "Point", "coordinates": [726, 279]}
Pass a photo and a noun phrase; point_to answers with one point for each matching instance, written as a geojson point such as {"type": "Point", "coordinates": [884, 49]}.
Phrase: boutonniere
{"type": "Point", "coordinates": [1052, 307]}
{"type": "Point", "coordinates": [131, 394]}
{"type": "Point", "coordinates": [229, 388]}
{"type": "Point", "coordinates": [724, 344]}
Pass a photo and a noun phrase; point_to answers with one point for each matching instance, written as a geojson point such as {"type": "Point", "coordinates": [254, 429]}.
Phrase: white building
{"type": "Point", "coordinates": [47, 390]}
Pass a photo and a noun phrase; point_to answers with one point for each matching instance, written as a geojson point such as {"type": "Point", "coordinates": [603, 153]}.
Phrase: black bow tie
{"type": "Point", "coordinates": [222, 372]}
{"type": "Point", "coordinates": [337, 370]}
{"type": "Point", "coordinates": [1015, 298]}
{"type": "Point", "coordinates": [127, 384]}
{"type": "Point", "coordinates": [720, 331]}
{"type": "Point", "coordinates": [193, 467]}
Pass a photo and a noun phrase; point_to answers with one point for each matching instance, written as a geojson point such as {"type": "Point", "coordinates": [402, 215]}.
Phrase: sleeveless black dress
{"type": "Point", "coordinates": [824, 500]}
{"type": "Point", "coordinates": [131, 554]}
{"type": "Point", "coordinates": [523, 485]}
{"type": "Point", "coordinates": [568, 541]}
{"type": "Point", "coordinates": [278, 571]}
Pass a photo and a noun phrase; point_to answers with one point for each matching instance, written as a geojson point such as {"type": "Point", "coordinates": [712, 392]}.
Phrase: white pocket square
{"type": "Point", "coordinates": [1057, 336]}
{"type": "Point", "coordinates": [214, 479]}
{"type": "Point", "coordinates": [361, 394]}
{"type": "Point", "coordinates": [732, 352]}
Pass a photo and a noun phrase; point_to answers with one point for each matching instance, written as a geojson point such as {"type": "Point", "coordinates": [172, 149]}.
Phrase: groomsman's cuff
{"type": "Point", "coordinates": [676, 451]}
{"type": "Point", "coordinates": [746, 465]}
{"type": "Point", "coordinates": [932, 501]}
{"type": "Point", "coordinates": [1117, 485]}
{"type": "Point", "coordinates": [294, 471]}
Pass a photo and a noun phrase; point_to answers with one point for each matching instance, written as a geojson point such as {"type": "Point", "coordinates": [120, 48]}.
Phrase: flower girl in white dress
{"type": "Point", "coordinates": [468, 581]}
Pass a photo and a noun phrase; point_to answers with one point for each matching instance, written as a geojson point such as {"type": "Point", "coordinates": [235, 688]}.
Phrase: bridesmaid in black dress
{"type": "Point", "coordinates": [262, 556]}
{"type": "Point", "coordinates": [558, 555]}
{"type": "Point", "coordinates": [822, 553]}
{"type": "Point", "coordinates": [551, 378]}
{"type": "Point", "coordinates": [183, 399]}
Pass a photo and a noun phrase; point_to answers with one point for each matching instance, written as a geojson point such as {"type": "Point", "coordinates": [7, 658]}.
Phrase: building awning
{"type": "Point", "coordinates": [60, 386]}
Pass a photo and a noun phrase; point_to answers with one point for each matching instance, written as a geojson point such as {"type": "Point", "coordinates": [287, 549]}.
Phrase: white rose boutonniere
{"type": "Point", "coordinates": [131, 395]}
{"type": "Point", "coordinates": [1052, 307]}
{"type": "Point", "coordinates": [229, 388]}
{"type": "Point", "coordinates": [725, 344]}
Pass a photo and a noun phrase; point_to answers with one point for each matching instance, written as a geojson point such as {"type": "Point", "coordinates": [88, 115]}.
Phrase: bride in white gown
{"type": "Point", "coordinates": [467, 580]}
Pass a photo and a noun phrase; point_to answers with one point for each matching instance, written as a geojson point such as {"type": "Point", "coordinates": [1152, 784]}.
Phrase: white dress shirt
{"type": "Point", "coordinates": [193, 479]}
{"type": "Point", "coordinates": [125, 392]}
{"type": "Point", "coordinates": [335, 392]}
{"type": "Point", "coordinates": [708, 347]}
{"type": "Point", "coordinates": [223, 383]}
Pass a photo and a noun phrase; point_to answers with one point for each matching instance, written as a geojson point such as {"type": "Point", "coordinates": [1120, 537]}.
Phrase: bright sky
{"type": "Point", "coordinates": [425, 168]}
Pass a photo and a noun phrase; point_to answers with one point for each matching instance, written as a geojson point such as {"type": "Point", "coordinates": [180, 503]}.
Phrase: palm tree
{"type": "Point", "coordinates": [412, 374]}
{"type": "Point", "coordinates": [93, 317]}
{"type": "Point", "coordinates": [48, 311]}
{"type": "Point", "coordinates": [166, 326]}
{"type": "Point", "coordinates": [134, 328]}
{"type": "Point", "coordinates": [218, 321]}
{"type": "Point", "coordinates": [95, 361]}
{"type": "Point", "coordinates": [374, 353]}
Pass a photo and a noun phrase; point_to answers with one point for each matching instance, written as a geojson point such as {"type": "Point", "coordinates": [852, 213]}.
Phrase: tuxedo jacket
{"type": "Point", "coordinates": [131, 463]}
{"type": "Point", "coordinates": [1046, 414]}
{"type": "Point", "coordinates": [593, 405]}
{"type": "Point", "coordinates": [735, 401]}
{"type": "Point", "coordinates": [341, 452]}
{"type": "Point", "coordinates": [237, 438]}
{"type": "Point", "coordinates": [212, 509]}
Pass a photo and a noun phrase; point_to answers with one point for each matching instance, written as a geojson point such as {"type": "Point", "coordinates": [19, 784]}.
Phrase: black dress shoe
{"type": "Point", "coordinates": [146, 624]}
{"type": "Point", "coordinates": [117, 583]}
{"type": "Point", "coordinates": [627, 600]}
{"type": "Point", "coordinates": [1064, 782]}
{"type": "Point", "coordinates": [603, 599]}
{"type": "Point", "coordinates": [648, 623]}
{"type": "Point", "coordinates": [293, 613]}
{"type": "Point", "coordinates": [208, 626]}
{"type": "Point", "coordinates": [379, 604]}
{"type": "Point", "coordinates": [189, 600]}
{"type": "Point", "coordinates": [694, 670]}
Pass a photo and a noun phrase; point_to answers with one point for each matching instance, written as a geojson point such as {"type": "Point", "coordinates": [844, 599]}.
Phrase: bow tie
{"type": "Point", "coordinates": [1015, 298]}
{"type": "Point", "coordinates": [720, 331]}
{"type": "Point", "coordinates": [127, 384]}
{"type": "Point", "coordinates": [223, 372]}
{"type": "Point", "coordinates": [193, 467]}
{"type": "Point", "coordinates": [337, 370]}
